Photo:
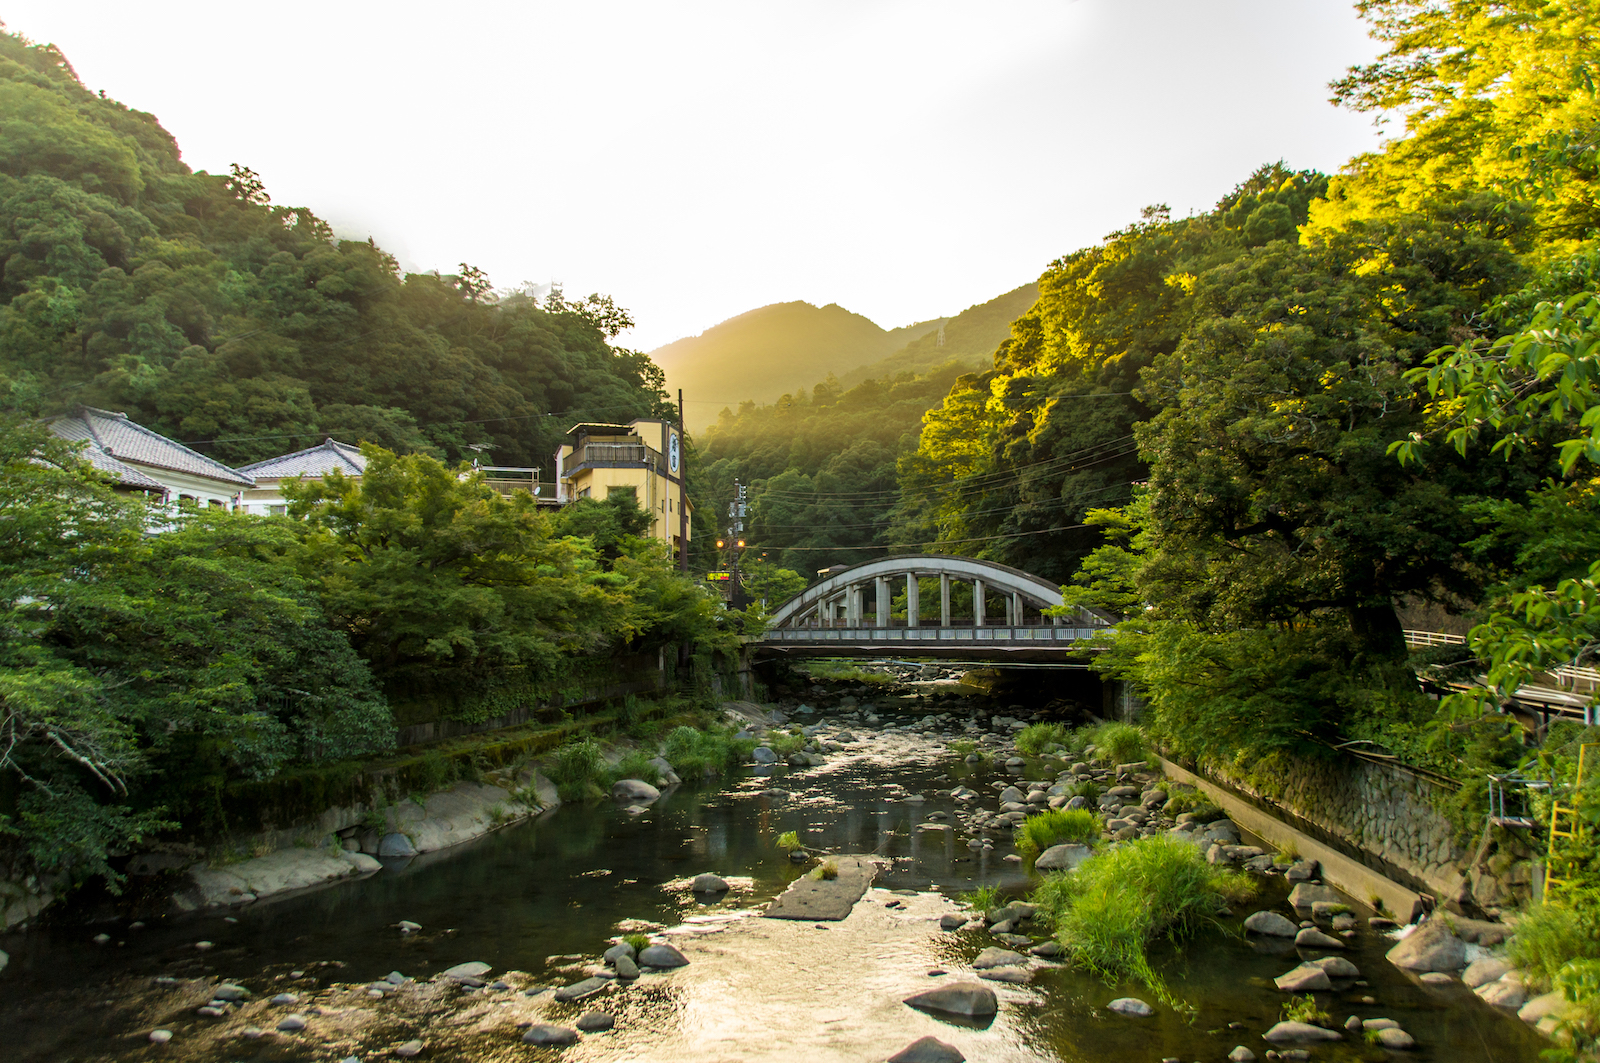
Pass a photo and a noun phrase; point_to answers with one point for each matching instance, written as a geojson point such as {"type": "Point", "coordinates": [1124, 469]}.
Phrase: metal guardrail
{"type": "Point", "coordinates": [945, 635]}
{"type": "Point", "coordinates": [1571, 676]}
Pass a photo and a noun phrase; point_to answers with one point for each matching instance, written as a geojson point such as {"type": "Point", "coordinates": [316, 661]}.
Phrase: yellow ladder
{"type": "Point", "coordinates": [1565, 827]}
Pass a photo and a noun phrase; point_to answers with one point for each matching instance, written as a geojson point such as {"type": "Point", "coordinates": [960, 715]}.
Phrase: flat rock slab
{"type": "Point", "coordinates": [823, 899]}
{"type": "Point", "coordinates": [1292, 1032]}
{"type": "Point", "coordinates": [586, 988]}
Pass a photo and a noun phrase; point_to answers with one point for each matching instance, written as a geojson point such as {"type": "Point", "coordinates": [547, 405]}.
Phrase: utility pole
{"type": "Point", "coordinates": [737, 509]}
{"type": "Point", "coordinates": [683, 493]}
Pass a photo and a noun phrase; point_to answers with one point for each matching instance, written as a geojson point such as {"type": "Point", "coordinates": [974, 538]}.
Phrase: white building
{"type": "Point", "coordinates": [137, 459]}
{"type": "Point", "coordinates": [266, 497]}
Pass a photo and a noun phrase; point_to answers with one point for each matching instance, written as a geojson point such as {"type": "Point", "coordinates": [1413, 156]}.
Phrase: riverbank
{"type": "Point", "coordinates": [540, 903]}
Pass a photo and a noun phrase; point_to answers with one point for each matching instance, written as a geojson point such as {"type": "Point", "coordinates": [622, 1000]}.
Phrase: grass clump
{"type": "Point", "coordinates": [635, 764]}
{"type": "Point", "coordinates": [1304, 1009]}
{"type": "Point", "coordinates": [1117, 743]}
{"type": "Point", "coordinates": [1186, 799]}
{"type": "Point", "coordinates": [1088, 789]}
{"type": "Point", "coordinates": [578, 769]}
{"type": "Point", "coordinates": [1056, 826]}
{"type": "Point", "coordinates": [1108, 911]}
{"type": "Point", "coordinates": [640, 942]}
{"type": "Point", "coordinates": [695, 753]}
{"type": "Point", "coordinates": [1033, 739]}
{"type": "Point", "coordinates": [982, 899]}
{"type": "Point", "coordinates": [784, 743]}
{"type": "Point", "coordinates": [1550, 936]}
{"type": "Point", "coordinates": [963, 747]}
{"type": "Point", "coordinates": [828, 870]}
{"type": "Point", "coordinates": [788, 841]}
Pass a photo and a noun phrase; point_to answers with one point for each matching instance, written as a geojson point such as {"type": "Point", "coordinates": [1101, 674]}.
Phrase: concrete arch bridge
{"type": "Point", "coordinates": [848, 614]}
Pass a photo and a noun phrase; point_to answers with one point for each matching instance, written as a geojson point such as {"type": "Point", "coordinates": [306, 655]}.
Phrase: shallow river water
{"type": "Point", "coordinates": [547, 897]}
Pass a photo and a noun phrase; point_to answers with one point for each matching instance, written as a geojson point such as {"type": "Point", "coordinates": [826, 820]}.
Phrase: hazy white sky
{"type": "Point", "coordinates": [903, 158]}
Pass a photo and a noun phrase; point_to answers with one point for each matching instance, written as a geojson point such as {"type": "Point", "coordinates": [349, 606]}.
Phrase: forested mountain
{"type": "Point", "coordinates": [192, 303]}
{"type": "Point", "coordinates": [783, 347]}
{"type": "Point", "coordinates": [969, 338]}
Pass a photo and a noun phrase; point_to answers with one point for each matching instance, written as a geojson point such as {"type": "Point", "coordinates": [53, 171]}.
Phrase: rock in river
{"type": "Point", "coordinates": [1430, 947]}
{"type": "Point", "coordinates": [626, 969]}
{"type": "Point", "coordinates": [633, 790]}
{"type": "Point", "coordinates": [470, 969]}
{"type": "Point", "coordinates": [993, 957]}
{"type": "Point", "coordinates": [1286, 1032]}
{"type": "Point", "coordinates": [928, 1050]}
{"type": "Point", "coordinates": [709, 883]}
{"type": "Point", "coordinates": [1061, 857]}
{"type": "Point", "coordinates": [763, 755]}
{"type": "Point", "coordinates": [591, 1021]}
{"type": "Point", "coordinates": [1312, 938]}
{"type": "Point", "coordinates": [408, 1049]}
{"type": "Point", "coordinates": [291, 1023]}
{"type": "Point", "coordinates": [586, 988]}
{"type": "Point", "coordinates": [1271, 924]}
{"type": "Point", "coordinates": [396, 844]}
{"type": "Point", "coordinates": [621, 948]}
{"type": "Point", "coordinates": [961, 998]}
{"type": "Point", "coordinates": [1303, 979]}
{"type": "Point", "coordinates": [544, 1034]}
{"type": "Point", "coordinates": [1132, 1006]}
{"type": "Point", "coordinates": [662, 956]}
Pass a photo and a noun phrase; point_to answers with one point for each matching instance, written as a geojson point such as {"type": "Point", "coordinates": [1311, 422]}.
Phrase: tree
{"type": "Point", "coordinates": [246, 185]}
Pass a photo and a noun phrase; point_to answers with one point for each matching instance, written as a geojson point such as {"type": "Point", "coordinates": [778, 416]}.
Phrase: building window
{"type": "Point", "coordinates": [584, 493]}
{"type": "Point", "coordinates": [278, 511]}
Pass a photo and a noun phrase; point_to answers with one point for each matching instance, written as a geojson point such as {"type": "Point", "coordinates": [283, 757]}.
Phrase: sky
{"type": "Point", "coordinates": [903, 158]}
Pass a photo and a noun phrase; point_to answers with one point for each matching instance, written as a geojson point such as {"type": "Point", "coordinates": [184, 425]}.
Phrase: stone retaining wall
{"type": "Point", "coordinates": [1381, 814]}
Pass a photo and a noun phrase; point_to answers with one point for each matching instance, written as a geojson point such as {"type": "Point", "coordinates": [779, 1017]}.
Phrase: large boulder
{"type": "Point", "coordinates": [958, 998]}
{"type": "Point", "coordinates": [1312, 938]}
{"type": "Point", "coordinates": [709, 883]}
{"type": "Point", "coordinates": [1272, 924]}
{"type": "Point", "coordinates": [763, 755]}
{"type": "Point", "coordinates": [396, 844]}
{"type": "Point", "coordinates": [1433, 946]}
{"type": "Point", "coordinates": [1305, 894]}
{"type": "Point", "coordinates": [1337, 967]}
{"type": "Point", "coordinates": [633, 791]}
{"type": "Point", "coordinates": [664, 772]}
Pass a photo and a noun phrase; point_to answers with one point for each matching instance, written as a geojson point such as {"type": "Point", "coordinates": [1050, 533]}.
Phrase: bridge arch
{"type": "Point", "coordinates": [841, 596]}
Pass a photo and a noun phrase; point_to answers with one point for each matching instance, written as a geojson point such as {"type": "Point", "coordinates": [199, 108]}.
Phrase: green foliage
{"type": "Point", "coordinates": [1087, 789]}
{"type": "Point", "coordinates": [788, 841]}
{"type": "Point", "coordinates": [640, 942]}
{"type": "Point", "coordinates": [1549, 936]}
{"type": "Point", "coordinates": [1056, 826]}
{"type": "Point", "coordinates": [1116, 902]}
{"type": "Point", "coordinates": [1033, 738]}
{"type": "Point", "coordinates": [696, 753]}
{"type": "Point", "coordinates": [826, 871]}
{"type": "Point", "coordinates": [1116, 743]}
{"type": "Point", "coordinates": [784, 743]}
{"type": "Point", "coordinates": [1303, 1009]}
{"type": "Point", "coordinates": [578, 770]}
{"type": "Point", "coordinates": [1187, 799]}
{"type": "Point", "coordinates": [983, 899]}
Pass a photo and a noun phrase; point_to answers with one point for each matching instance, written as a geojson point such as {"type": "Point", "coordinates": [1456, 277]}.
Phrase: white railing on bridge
{"type": "Point", "coordinates": [850, 635]}
{"type": "Point", "coordinates": [1570, 676]}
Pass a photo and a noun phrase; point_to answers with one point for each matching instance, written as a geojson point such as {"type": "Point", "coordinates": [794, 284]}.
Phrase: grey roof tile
{"type": "Point", "coordinates": [133, 444]}
{"type": "Point", "coordinates": [319, 460]}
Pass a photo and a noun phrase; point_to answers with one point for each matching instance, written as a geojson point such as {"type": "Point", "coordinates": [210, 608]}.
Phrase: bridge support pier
{"type": "Point", "coordinates": [944, 599]}
{"type": "Point", "coordinates": [913, 600]}
{"type": "Point", "coordinates": [880, 618]}
{"type": "Point", "coordinates": [977, 603]}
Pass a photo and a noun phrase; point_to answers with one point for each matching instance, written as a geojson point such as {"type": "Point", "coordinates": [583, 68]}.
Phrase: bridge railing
{"type": "Point", "coordinates": [902, 635]}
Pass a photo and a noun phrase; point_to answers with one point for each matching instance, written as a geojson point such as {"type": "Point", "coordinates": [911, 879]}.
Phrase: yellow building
{"type": "Point", "coordinates": [644, 457]}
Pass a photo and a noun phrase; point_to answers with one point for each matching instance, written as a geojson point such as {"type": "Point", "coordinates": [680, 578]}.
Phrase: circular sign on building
{"type": "Point", "coordinates": [672, 453]}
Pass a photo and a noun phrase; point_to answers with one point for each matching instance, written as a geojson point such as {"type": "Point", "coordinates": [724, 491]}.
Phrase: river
{"type": "Point", "coordinates": [545, 897]}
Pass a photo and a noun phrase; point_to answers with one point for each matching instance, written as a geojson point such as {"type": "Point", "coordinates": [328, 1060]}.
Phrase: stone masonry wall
{"type": "Point", "coordinates": [1382, 814]}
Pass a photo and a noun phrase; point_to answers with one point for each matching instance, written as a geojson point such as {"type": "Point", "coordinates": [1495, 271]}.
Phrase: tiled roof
{"type": "Point", "coordinates": [116, 437]}
{"type": "Point", "coordinates": [125, 475]}
{"type": "Point", "coordinates": [314, 461]}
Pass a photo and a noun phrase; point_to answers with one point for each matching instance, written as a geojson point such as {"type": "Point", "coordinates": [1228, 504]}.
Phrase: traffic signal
{"type": "Point", "coordinates": [721, 543]}
{"type": "Point", "coordinates": [740, 544]}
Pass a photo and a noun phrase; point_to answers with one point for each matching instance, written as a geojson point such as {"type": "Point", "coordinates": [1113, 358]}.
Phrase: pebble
{"type": "Point", "coordinates": [210, 1011]}
{"type": "Point", "coordinates": [291, 1023]}
{"type": "Point", "coordinates": [203, 945]}
{"type": "Point", "coordinates": [407, 1050]}
{"type": "Point", "coordinates": [408, 927]}
{"type": "Point", "coordinates": [102, 939]}
{"type": "Point", "coordinates": [592, 1021]}
{"type": "Point", "coordinates": [160, 1037]}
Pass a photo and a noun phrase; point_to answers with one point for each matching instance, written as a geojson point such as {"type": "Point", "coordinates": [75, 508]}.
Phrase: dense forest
{"type": "Point", "coordinates": [242, 328]}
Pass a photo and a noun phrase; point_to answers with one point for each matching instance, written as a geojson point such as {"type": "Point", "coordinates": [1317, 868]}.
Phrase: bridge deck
{"type": "Point", "coordinates": [1044, 642]}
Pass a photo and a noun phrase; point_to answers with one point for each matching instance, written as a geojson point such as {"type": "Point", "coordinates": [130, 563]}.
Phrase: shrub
{"type": "Point", "coordinates": [1088, 789]}
{"type": "Point", "coordinates": [1032, 739]}
{"type": "Point", "coordinates": [695, 754]}
{"type": "Point", "coordinates": [963, 747]}
{"type": "Point", "coordinates": [828, 870]}
{"type": "Point", "coordinates": [1107, 911]}
{"type": "Point", "coordinates": [577, 769]}
{"type": "Point", "coordinates": [784, 743]}
{"type": "Point", "coordinates": [1549, 936]}
{"type": "Point", "coordinates": [1055, 826]}
{"type": "Point", "coordinates": [1186, 800]}
{"type": "Point", "coordinates": [636, 765]}
{"type": "Point", "coordinates": [1117, 743]}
